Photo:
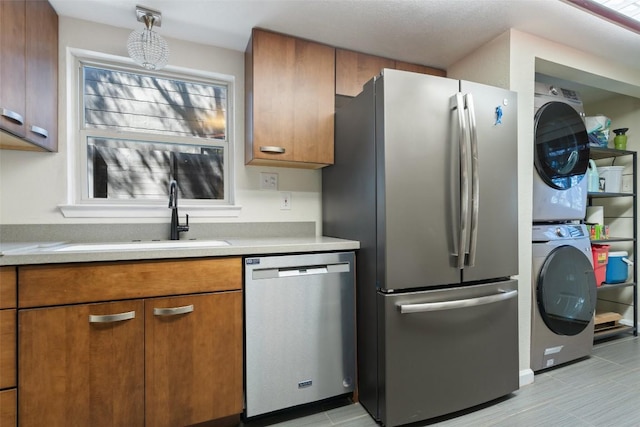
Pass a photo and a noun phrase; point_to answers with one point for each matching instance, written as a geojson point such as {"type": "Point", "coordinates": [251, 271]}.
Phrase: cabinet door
{"type": "Point", "coordinates": [7, 327]}
{"type": "Point", "coordinates": [193, 365]}
{"type": "Point", "coordinates": [12, 66]}
{"type": "Point", "coordinates": [42, 75]}
{"type": "Point", "coordinates": [354, 69]}
{"type": "Point", "coordinates": [7, 348]}
{"type": "Point", "coordinates": [81, 365]}
{"type": "Point", "coordinates": [290, 101]}
{"type": "Point", "coordinates": [8, 408]}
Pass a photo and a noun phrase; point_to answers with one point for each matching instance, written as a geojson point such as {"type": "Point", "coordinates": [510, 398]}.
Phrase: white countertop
{"type": "Point", "coordinates": [23, 253]}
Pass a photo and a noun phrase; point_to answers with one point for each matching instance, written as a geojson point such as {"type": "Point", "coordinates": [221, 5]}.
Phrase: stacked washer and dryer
{"type": "Point", "coordinates": [563, 279]}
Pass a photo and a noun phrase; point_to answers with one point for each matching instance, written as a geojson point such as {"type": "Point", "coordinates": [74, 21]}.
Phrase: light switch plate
{"type": "Point", "coordinates": [268, 181]}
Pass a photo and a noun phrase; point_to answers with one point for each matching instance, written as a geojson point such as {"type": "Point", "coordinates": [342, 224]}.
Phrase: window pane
{"type": "Point", "coordinates": [131, 102]}
{"type": "Point", "coordinates": [125, 170]}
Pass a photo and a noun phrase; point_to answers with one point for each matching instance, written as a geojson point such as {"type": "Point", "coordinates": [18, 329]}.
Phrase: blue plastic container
{"type": "Point", "coordinates": [618, 267]}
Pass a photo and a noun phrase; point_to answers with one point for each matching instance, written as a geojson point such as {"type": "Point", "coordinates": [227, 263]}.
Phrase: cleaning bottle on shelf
{"type": "Point", "coordinates": [620, 140]}
{"type": "Point", "coordinates": [593, 178]}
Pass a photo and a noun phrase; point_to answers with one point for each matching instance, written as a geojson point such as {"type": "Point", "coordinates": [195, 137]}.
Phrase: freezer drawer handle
{"type": "Point", "coordinates": [173, 311]}
{"type": "Point", "coordinates": [450, 305]}
{"type": "Point", "coordinates": [110, 318]}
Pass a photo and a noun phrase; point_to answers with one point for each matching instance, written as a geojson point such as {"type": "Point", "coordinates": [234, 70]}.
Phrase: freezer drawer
{"type": "Point", "coordinates": [447, 350]}
{"type": "Point", "coordinates": [299, 329]}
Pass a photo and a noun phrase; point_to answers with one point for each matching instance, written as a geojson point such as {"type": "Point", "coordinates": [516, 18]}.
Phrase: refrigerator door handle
{"type": "Point", "coordinates": [475, 179]}
{"type": "Point", "coordinates": [452, 305]}
{"type": "Point", "coordinates": [457, 103]}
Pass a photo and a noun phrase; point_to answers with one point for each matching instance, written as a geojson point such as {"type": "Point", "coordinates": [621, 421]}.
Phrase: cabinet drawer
{"type": "Point", "coordinates": [43, 285]}
{"type": "Point", "coordinates": [7, 348]}
{"type": "Point", "coordinates": [8, 408]}
{"type": "Point", "coordinates": [7, 287]}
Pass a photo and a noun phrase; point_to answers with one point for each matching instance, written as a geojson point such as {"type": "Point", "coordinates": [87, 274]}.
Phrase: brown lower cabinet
{"type": "Point", "coordinates": [8, 408]}
{"type": "Point", "coordinates": [158, 361]}
{"type": "Point", "coordinates": [8, 280]}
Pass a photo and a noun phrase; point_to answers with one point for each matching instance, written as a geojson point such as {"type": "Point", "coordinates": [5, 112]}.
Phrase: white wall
{"type": "Point", "coordinates": [526, 55]}
{"type": "Point", "coordinates": [33, 184]}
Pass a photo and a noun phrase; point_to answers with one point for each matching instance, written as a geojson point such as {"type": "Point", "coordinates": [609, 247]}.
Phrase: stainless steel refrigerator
{"type": "Point", "coordinates": [425, 178]}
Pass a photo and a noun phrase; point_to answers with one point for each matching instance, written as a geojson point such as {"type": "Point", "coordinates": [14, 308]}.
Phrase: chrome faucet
{"type": "Point", "coordinates": [176, 228]}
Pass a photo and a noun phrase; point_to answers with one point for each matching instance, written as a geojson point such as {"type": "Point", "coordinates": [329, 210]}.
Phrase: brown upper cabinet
{"type": "Point", "coordinates": [354, 69]}
{"type": "Point", "coordinates": [28, 75]}
{"type": "Point", "coordinates": [289, 89]}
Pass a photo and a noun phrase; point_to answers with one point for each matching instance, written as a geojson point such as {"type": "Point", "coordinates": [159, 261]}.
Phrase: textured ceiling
{"type": "Point", "coordinates": [431, 32]}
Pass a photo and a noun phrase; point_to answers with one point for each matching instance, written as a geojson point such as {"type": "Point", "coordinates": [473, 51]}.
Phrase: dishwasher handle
{"type": "Point", "coordinates": [451, 305]}
{"type": "Point", "coordinates": [307, 270]}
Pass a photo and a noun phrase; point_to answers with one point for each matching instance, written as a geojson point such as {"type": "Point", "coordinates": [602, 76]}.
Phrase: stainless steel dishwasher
{"type": "Point", "coordinates": [299, 329]}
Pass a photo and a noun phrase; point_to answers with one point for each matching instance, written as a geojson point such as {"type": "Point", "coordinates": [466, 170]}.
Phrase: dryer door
{"type": "Point", "coordinates": [566, 291]}
{"type": "Point", "coordinates": [562, 145]}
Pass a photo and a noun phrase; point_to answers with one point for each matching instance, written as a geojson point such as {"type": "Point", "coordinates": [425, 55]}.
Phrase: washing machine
{"type": "Point", "coordinates": [563, 295]}
{"type": "Point", "coordinates": [561, 155]}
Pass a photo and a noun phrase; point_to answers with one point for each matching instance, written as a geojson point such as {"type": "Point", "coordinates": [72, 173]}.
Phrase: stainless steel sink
{"type": "Point", "coordinates": [138, 246]}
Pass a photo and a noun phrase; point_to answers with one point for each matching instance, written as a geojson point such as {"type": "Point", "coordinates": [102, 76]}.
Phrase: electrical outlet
{"type": "Point", "coordinates": [285, 201]}
{"type": "Point", "coordinates": [268, 181]}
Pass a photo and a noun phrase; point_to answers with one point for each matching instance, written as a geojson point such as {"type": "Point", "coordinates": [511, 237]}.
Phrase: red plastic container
{"type": "Point", "coordinates": [600, 255]}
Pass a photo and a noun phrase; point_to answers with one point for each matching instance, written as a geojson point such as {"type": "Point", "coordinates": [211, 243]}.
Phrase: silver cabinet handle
{"type": "Point", "coordinates": [272, 149]}
{"type": "Point", "coordinates": [451, 305]}
{"type": "Point", "coordinates": [109, 318]}
{"type": "Point", "coordinates": [40, 131]}
{"type": "Point", "coordinates": [173, 311]}
{"type": "Point", "coordinates": [475, 179]}
{"type": "Point", "coordinates": [13, 116]}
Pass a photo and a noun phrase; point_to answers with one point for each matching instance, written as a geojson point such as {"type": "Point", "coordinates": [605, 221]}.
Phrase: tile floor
{"type": "Point", "coordinates": [602, 390]}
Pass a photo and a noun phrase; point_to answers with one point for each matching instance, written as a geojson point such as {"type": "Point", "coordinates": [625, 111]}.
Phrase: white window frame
{"type": "Point", "coordinates": [78, 204]}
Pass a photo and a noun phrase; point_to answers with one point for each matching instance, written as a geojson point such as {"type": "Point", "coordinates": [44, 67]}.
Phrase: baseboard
{"type": "Point", "coordinates": [526, 377]}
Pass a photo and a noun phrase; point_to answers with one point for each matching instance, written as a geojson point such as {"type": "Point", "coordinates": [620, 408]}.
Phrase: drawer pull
{"type": "Point", "coordinates": [173, 311]}
{"type": "Point", "coordinates": [40, 131]}
{"type": "Point", "coordinates": [450, 305]}
{"type": "Point", "coordinates": [13, 116]}
{"type": "Point", "coordinates": [272, 149]}
{"type": "Point", "coordinates": [109, 318]}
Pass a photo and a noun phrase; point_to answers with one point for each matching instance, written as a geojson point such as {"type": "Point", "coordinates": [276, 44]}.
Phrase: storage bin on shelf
{"type": "Point", "coordinates": [612, 176]}
{"type": "Point", "coordinates": [618, 267]}
{"type": "Point", "coordinates": [600, 255]}
{"type": "Point", "coordinates": [598, 130]}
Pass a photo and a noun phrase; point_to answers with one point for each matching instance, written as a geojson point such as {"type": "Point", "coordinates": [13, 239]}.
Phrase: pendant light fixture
{"type": "Point", "coordinates": [146, 47]}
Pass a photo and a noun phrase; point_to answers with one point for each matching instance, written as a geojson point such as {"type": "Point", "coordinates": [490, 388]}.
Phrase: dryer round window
{"type": "Point", "coordinates": [562, 145]}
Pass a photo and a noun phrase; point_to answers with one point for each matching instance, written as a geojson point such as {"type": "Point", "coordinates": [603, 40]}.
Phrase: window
{"type": "Point", "coordinates": [138, 130]}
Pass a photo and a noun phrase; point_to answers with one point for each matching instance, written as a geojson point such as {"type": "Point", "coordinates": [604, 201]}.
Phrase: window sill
{"type": "Point", "coordinates": [146, 211]}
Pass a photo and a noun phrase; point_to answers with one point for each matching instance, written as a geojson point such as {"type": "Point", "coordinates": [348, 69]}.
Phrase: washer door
{"type": "Point", "coordinates": [562, 145]}
{"type": "Point", "coordinates": [566, 291]}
